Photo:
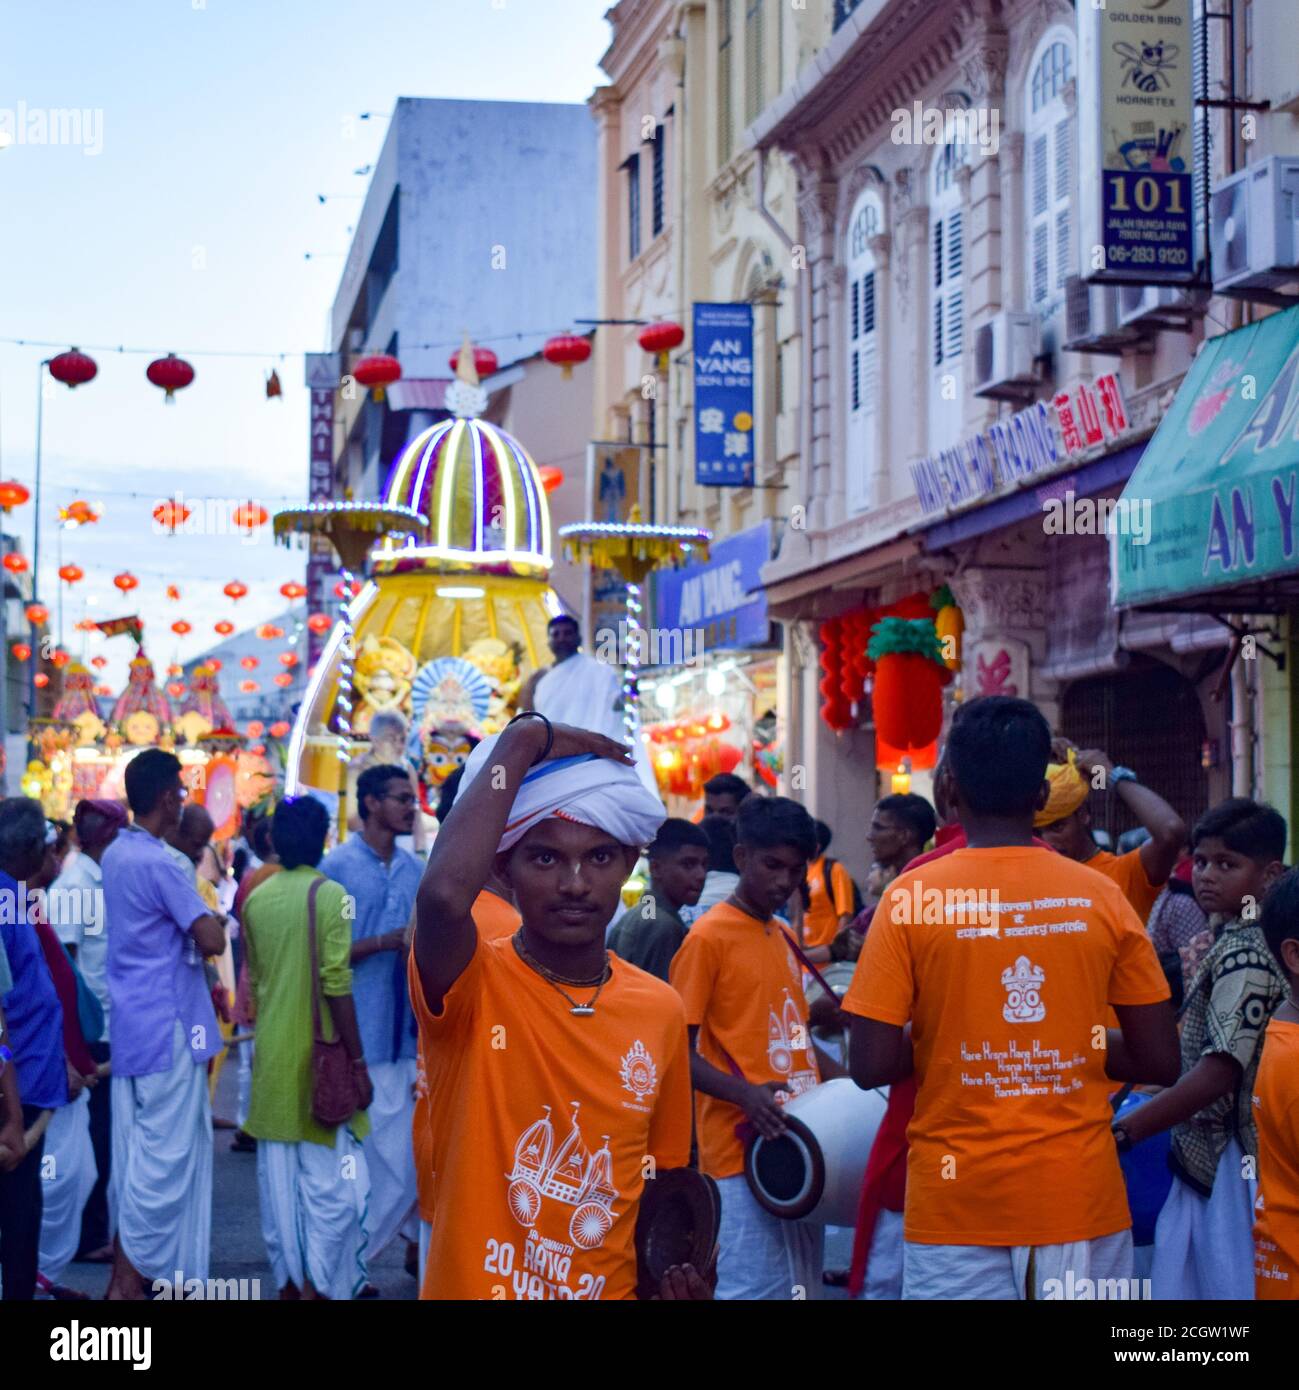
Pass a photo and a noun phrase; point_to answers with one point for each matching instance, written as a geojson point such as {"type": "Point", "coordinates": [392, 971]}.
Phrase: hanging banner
{"type": "Point", "coordinates": [322, 379]}
{"type": "Point", "coordinates": [1136, 124]}
{"type": "Point", "coordinates": [723, 362]}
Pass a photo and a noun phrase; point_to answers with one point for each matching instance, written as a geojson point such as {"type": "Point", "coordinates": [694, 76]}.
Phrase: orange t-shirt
{"type": "Point", "coordinates": [494, 918]}
{"type": "Point", "coordinates": [540, 1126]}
{"type": "Point", "coordinates": [743, 988]}
{"type": "Point", "coordinates": [821, 920]}
{"type": "Point", "coordinates": [1276, 1113]}
{"type": "Point", "coordinates": [1129, 873]}
{"type": "Point", "coordinates": [1010, 1142]}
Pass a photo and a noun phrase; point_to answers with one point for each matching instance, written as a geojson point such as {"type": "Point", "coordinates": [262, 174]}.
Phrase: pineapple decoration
{"type": "Point", "coordinates": [909, 679]}
{"type": "Point", "coordinates": [949, 624]}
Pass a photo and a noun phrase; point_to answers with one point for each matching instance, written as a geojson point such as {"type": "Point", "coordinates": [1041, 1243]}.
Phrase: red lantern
{"type": "Point", "coordinates": [249, 515]}
{"type": "Point", "coordinates": [551, 477]}
{"type": "Point", "coordinates": [86, 625]}
{"type": "Point", "coordinates": [181, 628]}
{"type": "Point", "coordinates": [280, 728]}
{"type": "Point", "coordinates": [258, 750]}
{"type": "Point", "coordinates": [288, 659]}
{"type": "Point", "coordinates": [215, 662]}
{"type": "Point", "coordinates": [175, 689]}
{"type": "Point", "coordinates": [249, 687]}
{"type": "Point", "coordinates": [342, 591]}
{"type": "Point", "coordinates": [377, 372]}
{"type": "Point", "coordinates": [37, 614]}
{"type": "Point", "coordinates": [485, 363]}
{"type": "Point", "coordinates": [71, 574]}
{"type": "Point", "coordinates": [293, 590]}
{"type": "Point", "coordinates": [126, 581]}
{"type": "Point", "coordinates": [174, 670]}
{"type": "Point", "coordinates": [79, 513]}
{"type": "Point", "coordinates": [249, 663]}
{"type": "Point", "coordinates": [171, 373]}
{"type": "Point", "coordinates": [224, 628]}
{"type": "Point", "coordinates": [255, 728]}
{"type": "Point", "coordinates": [173, 593]}
{"type": "Point", "coordinates": [835, 712]}
{"type": "Point", "coordinates": [12, 494]}
{"type": "Point", "coordinates": [171, 515]}
{"type": "Point", "coordinates": [40, 680]}
{"type": "Point", "coordinates": [268, 632]}
{"type": "Point", "coordinates": [73, 368]}
{"type": "Point", "coordinates": [59, 659]}
{"type": "Point", "coordinates": [103, 690]}
{"type": "Point", "coordinates": [235, 590]}
{"type": "Point", "coordinates": [320, 623]}
{"type": "Point", "coordinates": [284, 680]}
{"type": "Point", "coordinates": [566, 349]}
{"type": "Point", "coordinates": [15, 563]}
{"type": "Point", "coordinates": [660, 339]}
{"type": "Point", "coordinates": [21, 651]}
{"type": "Point", "coordinates": [99, 662]}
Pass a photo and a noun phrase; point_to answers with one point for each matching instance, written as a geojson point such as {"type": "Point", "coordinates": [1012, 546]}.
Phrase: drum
{"type": "Point", "coordinates": [814, 1171]}
{"type": "Point", "coordinates": [680, 1212]}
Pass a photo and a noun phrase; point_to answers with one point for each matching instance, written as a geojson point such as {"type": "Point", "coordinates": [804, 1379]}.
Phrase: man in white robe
{"type": "Point", "coordinates": [577, 690]}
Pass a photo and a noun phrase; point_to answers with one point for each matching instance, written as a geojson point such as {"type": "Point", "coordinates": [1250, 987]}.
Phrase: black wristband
{"type": "Point", "coordinates": [550, 732]}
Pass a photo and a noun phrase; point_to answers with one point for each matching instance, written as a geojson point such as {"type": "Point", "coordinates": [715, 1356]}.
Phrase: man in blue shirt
{"type": "Point", "coordinates": [381, 881]}
{"type": "Point", "coordinates": [35, 1027]}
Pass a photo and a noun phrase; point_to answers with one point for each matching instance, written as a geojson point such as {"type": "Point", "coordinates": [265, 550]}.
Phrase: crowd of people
{"type": "Point", "coordinates": [1091, 1055]}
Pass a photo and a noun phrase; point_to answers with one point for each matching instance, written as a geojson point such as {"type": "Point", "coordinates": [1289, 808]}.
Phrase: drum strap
{"type": "Point", "coordinates": [807, 964]}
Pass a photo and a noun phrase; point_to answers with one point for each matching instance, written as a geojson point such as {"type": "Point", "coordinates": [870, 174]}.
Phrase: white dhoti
{"type": "Point", "coordinates": [582, 691]}
{"type": "Point", "coordinates": [1204, 1246]}
{"type": "Point", "coordinates": [68, 1176]}
{"type": "Point", "coordinates": [245, 1083]}
{"type": "Point", "coordinates": [884, 1263]}
{"type": "Point", "coordinates": [390, 1156]}
{"type": "Point", "coordinates": [314, 1202]}
{"type": "Point", "coordinates": [1099, 1268]}
{"type": "Point", "coordinates": [761, 1256]}
{"type": "Point", "coordinates": [162, 1167]}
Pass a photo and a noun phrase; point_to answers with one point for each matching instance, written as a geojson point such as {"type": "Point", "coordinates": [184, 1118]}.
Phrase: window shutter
{"type": "Point", "coordinates": [868, 302]}
{"type": "Point", "coordinates": [865, 398]}
{"type": "Point", "coordinates": [938, 253]}
{"type": "Point", "coordinates": [955, 313]}
{"type": "Point", "coordinates": [1063, 158]}
{"type": "Point", "coordinates": [856, 378]}
{"type": "Point", "coordinates": [855, 312]}
{"type": "Point", "coordinates": [938, 331]}
{"type": "Point", "coordinates": [1039, 175]}
{"type": "Point", "coordinates": [1041, 254]}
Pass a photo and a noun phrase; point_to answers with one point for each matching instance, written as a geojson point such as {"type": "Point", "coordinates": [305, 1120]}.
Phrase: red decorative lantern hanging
{"type": "Point", "coordinates": [835, 712]}
{"type": "Point", "coordinates": [21, 651]}
{"type": "Point", "coordinates": [907, 695]}
{"type": "Point", "coordinates": [249, 663]}
{"type": "Point", "coordinates": [73, 368]}
{"type": "Point", "coordinates": [293, 590]}
{"type": "Point", "coordinates": [345, 592]}
{"type": "Point", "coordinates": [175, 689]}
{"type": "Point", "coordinates": [59, 658]}
{"type": "Point", "coordinates": [255, 728]}
{"type": "Point", "coordinates": [126, 581]}
{"type": "Point", "coordinates": [99, 662]}
{"type": "Point", "coordinates": [173, 593]}
{"type": "Point", "coordinates": [377, 372]}
{"type": "Point", "coordinates": [15, 563]}
{"type": "Point", "coordinates": [660, 339]}
{"type": "Point", "coordinates": [485, 363]}
{"type": "Point", "coordinates": [269, 632]}
{"type": "Point", "coordinates": [12, 495]}
{"type": "Point", "coordinates": [86, 625]}
{"type": "Point", "coordinates": [79, 513]}
{"type": "Point", "coordinates": [279, 728]}
{"type": "Point", "coordinates": [224, 628]}
{"type": "Point", "coordinates": [284, 680]}
{"type": "Point", "coordinates": [565, 350]}
{"type": "Point", "coordinates": [235, 590]}
{"type": "Point", "coordinates": [215, 662]}
{"type": "Point", "coordinates": [71, 574]}
{"type": "Point", "coordinates": [288, 659]}
{"type": "Point", "coordinates": [249, 687]}
{"type": "Point", "coordinates": [171, 373]}
{"type": "Point", "coordinates": [320, 623]}
{"type": "Point", "coordinates": [551, 477]}
{"type": "Point", "coordinates": [181, 628]}
{"type": "Point", "coordinates": [37, 614]}
{"type": "Point", "coordinates": [40, 680]}
{"type": "Point", "coordinates": [174, 670]}
{"type": "Point", "coordinates": [248, 516]}
{"type": "Point", "coordinates": [171, 515]}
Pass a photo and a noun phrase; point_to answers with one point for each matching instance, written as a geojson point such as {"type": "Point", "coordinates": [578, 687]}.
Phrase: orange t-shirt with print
{"type": "Point", "coordinates": [743, 989]}
{"type": "Point", "coordinates": [1276, 1113]}
{"type": "Point", "coordinates": [540, 1126]}
{"type": "Point", "coordinates": [821, 920]}
{"type": "Point", "coordinates": [1129, 873]}
{"type": "Point", "coordinates": [1005, 990]}
{"type": "Point", "coordinates": [494, 918]}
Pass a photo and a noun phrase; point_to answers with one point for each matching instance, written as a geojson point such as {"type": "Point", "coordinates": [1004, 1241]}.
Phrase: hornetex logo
{"type": "Point", "coordinates": [77, 1343]}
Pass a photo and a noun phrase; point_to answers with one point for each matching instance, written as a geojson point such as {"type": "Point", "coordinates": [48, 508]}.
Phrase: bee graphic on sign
{"type": "Point", "coordinates": [1147, 67]}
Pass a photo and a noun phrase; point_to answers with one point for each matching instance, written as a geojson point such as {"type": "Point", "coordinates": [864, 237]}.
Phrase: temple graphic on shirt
{"type": "Point", "coordinates": [1023, 984]}
{"type": "Point", "coordinates": [787, 1034]}
{"type": "Point", "coordinates": [570, 1174]}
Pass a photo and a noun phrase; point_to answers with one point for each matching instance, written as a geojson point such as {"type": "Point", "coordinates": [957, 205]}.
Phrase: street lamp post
{"type": "Point", "coordinates": [33, 663]}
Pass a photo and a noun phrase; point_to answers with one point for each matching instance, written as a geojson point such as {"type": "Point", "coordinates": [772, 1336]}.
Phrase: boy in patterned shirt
{"type": "Point", "coordinates": [1203, 1242]}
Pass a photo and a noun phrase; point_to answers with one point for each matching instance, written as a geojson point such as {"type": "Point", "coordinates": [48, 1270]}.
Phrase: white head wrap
{"type": "Point", "coordinates": [593, 791]}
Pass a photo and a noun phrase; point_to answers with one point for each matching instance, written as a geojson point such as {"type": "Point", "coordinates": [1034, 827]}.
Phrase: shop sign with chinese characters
{"type": "Point", "coordinates": [723, 366]}
{"type": "Point", "coordinates": [1033, 442]}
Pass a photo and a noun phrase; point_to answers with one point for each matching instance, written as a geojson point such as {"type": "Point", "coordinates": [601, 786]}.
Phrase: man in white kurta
{"type": "Point", "coordinates": [577, 689]}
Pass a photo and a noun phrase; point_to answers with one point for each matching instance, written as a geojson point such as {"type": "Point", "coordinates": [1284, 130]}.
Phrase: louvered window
{"type": "Point", "coordinates": [863, 356]}
{"type": "Point", "coordinates": [725, 56]}
{"type": "Point", "coordinates": [1050, 175]}
{"type": "Point", "coordinates": [946, 296]}
{"type": "Point", "coordinates": [755, 56]}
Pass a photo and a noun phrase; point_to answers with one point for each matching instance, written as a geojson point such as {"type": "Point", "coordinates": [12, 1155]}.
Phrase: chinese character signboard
{"type": "Point", "coordinates": [1136, 107]}
{"type": "Point", "coordinates": [723, 358]}
{"type": "Point", "coordinates": [322, 379]}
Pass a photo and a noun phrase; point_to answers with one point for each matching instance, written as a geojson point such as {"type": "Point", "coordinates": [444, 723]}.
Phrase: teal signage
{"type": "Point", "coordinates": [1219, 476]}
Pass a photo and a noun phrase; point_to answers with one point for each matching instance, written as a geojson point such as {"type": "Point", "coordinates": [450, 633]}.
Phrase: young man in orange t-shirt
{"type": "Point", "coordinates": [830, 896]}
{"type": "Point", "coordinates": [750, 1046]}
{"type": "Point", "coordinates": [1003, 959]}
{"type": "Point", "coordinates": [557, 1073]}
{"type": "Point", "coordinates": [1276, 1108]}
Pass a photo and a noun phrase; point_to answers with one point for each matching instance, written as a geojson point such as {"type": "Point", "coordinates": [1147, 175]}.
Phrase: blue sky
{"type": "Point", "coordinates": [217, 123]}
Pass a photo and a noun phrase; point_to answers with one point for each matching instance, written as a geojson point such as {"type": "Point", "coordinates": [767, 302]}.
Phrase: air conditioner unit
{"type": "Point", "coordinates": [1005, 349]}
{"type": "Point", "coordinates": [1254, 226]}
{"type": "Point", "coordinates": [1159, 307]}
{"type": "Point", "coordinates": [1091, 315]}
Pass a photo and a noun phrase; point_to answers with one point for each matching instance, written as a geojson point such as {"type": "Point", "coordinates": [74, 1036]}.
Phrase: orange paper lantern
{"type": "Point", "coordinates": [235, 590]}
{"type": "Point", "coordinates": [40, 680]}
{"type": "Point", "coordinates": [224, 628]}
{"type": "Point", "coordinates": [320, 623]}
{"type": "Point", "coordinates": [254, 728]}
{"type": "Point", "coordinates": [37, 614]}
{"type": "Point", "coordinates": [280, 728]}
{"type": "Point", "coordinates": [21, 651]}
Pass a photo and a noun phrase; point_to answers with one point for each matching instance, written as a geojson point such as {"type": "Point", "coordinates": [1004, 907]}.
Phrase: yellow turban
{"type": "Point", "coordinates": [1069, 790]}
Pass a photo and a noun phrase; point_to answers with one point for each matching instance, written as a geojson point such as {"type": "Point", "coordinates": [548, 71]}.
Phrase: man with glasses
{"type": "Point", "coordinates": [380, 881]}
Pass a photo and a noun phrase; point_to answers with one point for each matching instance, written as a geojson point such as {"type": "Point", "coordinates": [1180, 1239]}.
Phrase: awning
{"type": "Point", "coordinates": [1214, 495]}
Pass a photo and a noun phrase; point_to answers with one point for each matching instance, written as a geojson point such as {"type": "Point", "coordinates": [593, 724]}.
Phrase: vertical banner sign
{"type": "Point", "coordinates": [1136, 135]}
{"type": "Point", "coordinates": [322, 378]}
{"type": "Point", "coordinates": [723, 359]}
